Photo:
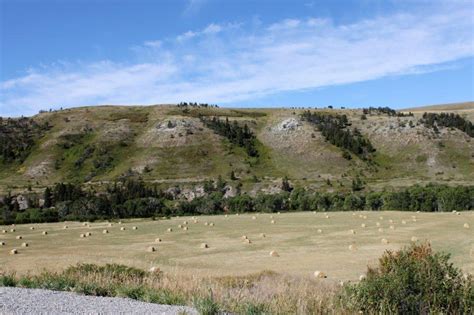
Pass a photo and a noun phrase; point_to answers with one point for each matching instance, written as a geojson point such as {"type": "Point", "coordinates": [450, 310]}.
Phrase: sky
{"type": "Point", "coordinates": [246, 53]}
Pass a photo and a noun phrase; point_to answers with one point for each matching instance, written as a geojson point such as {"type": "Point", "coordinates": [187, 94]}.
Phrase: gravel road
{"type": "Point", "coordinates": [38, 301]}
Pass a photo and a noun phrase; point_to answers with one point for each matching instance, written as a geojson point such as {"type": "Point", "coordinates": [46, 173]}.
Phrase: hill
{"type": "Point", "coordinates": [172, 145]}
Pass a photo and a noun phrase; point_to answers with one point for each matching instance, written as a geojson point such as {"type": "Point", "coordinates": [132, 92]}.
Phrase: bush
{"type": "Point", "coordinates": [413, 280]}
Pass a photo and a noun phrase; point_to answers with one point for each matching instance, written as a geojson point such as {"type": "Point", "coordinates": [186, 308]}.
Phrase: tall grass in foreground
{"type": "Point", "coordinates": [414, 280]}
{"type": "Point", "coordinates": [261, 293]}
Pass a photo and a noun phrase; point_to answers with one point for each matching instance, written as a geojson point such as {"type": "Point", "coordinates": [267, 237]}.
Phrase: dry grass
{"type": "Point", "coordinates": [305, 242]}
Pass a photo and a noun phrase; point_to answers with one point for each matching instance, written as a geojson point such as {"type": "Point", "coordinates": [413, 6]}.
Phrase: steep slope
{"type": "Point", "coordinates": [170, 145]}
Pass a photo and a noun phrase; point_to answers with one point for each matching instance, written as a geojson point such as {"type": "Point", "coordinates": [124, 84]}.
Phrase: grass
{"type": "Point", "coordinates": [294, 236]}
{"type": "Point", "coordinates": [283, 153]}
{"type": "Point", "coordinates": [265, 293]}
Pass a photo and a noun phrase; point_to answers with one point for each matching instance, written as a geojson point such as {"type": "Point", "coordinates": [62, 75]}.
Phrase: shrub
{"type": "Point", "coordinates": [413, 280]}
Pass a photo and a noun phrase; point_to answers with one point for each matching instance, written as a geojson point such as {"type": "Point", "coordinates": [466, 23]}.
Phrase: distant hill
{"type": "Point", "coordinates": [443, 107]}
{"type": "Point", "coordinates": [170, 145]}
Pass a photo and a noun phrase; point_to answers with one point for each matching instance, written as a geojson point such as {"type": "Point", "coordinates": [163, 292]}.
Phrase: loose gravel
{"type": "Point", "coordinates": [39, 301]}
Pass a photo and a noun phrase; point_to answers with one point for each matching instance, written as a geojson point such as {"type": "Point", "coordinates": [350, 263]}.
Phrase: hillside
{"type": "Point", "coordinates": [170, 145]}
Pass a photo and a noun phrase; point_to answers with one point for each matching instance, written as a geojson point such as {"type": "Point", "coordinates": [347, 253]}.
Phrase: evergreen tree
{"type": "Point", "coordinates": [48, 202]}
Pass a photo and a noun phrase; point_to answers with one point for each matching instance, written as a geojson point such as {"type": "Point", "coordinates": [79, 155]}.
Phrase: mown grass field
{"type": "Point", "coordinates": [295, 237]}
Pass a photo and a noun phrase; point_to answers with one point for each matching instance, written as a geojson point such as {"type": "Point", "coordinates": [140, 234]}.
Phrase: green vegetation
{"type": "Point", "coordinates": [135, 199]}
{"type": "Point", "coordinates": [414, 280]}
{"type": "Point", "coordinates": [384, 110]}
{"type": "Point", "coordinates": [17, 138]}
{"type": "Point", "coordinates": [334, 129]}
{"type": "Point", "coordinates": [240, 136]}
{"type": "Point", "coordinates": [449, 120]}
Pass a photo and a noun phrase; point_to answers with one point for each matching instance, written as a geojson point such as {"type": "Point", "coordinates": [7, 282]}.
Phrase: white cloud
{"type": "Point", "coordinates": [226, 63]}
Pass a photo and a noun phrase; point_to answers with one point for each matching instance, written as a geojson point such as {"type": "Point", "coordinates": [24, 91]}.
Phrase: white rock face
{"type": "Point", "coordinates": [288, 124]}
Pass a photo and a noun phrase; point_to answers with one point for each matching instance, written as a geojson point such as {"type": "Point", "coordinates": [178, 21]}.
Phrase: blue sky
{"type": "Point", "coordinates": [58, 53]}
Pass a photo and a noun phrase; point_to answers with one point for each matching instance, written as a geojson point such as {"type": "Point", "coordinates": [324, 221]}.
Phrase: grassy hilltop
{"type": "Point", "coordinates": [171, 145]}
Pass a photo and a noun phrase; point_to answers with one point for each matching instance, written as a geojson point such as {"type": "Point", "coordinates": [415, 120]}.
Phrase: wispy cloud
{"type": "Point", "coordinates": [236, 62]}
{"type": "Point", "coordinates": [193, 7]}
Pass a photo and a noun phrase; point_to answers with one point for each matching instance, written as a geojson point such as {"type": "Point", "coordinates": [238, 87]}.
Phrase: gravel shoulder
{"type": "Point", "coordinates": [39, 301]}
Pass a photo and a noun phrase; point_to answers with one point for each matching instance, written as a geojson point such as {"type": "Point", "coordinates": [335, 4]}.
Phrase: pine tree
{"type": "Point", "coordinates": [48, 198]}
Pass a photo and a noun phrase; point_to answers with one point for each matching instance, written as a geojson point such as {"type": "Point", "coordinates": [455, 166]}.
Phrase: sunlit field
{"type": "Point", "coordinates": [341, 244]}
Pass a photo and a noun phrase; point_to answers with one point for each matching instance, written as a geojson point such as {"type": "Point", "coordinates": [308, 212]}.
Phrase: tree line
{"type": "Point", "coordinates": [449, 120]}
{"type": "Point", "coordinates": [385, 110]}
{"type": "Point", "coordinates": [334, 129]}
{"type": "Point", "coordinates": [238, 135]}
{"type": "Point", "coordinates": [132, 198]}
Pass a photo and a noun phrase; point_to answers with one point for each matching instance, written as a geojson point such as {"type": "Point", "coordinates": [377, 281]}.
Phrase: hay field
{"type": "Point", "coordinates": [302, 249]}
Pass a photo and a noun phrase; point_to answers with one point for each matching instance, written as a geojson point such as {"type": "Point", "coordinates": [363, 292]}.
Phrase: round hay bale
{"type": "Point", "coordinates": [65, 227]}
{"type": "Point", "coordinates": [414, 220]}
{"type": "Point", "coordinates": [110, 225]}
{"type": "Point", "coordinates": [320, 275]}
{"type": "Point", "coordinates": [365, 217]}
{"type": "Point", "coordinates": [327, 217]}
{"type": "Point", "coordinates": [82, 235]}
{"type": "Point", "coordinates": [32, 228]}
{"type": "Point", "coordinates": [88, 234]}
{"type": "Point", "coordinates": [352, 247]}
{"type": "Point", "coordinates": [458, 213]}
{"type": "Point", "coordinates": [272, 221]}
{"type": "Point", "coordinates": [122, 228]}
{"type": "Point", "coordinates": [248, 241]}
{"type": "Point", "coordinates": [262, 235]}
{"type": "Point", "coordinates": [466, 225]}
{"type": "Point", "coordinates": [154, 270]}
{"type": "Point", "coordinates": [185, 222]}
{"type": "Point", "coordinates": [105, 231]}
{"type": "Point", "coordinates": [381, 218]}
{"type": "Point", "coordinates": [45, 233]}
{"type": "Point", "coordinates": [254, 218]}
{"type": "Point", "coordinates": [384, 241]}
{"type": "Point", "coordinates": [404, 222]}
{"type": "Point", "coordinates": [226, 216]}
{"type": "Point", "coordinates": [206, 224]}
{"type": "Point", "coordinates": [362, 225]}
{"type": "Point", "coordinates": [377, 224]}
{"type": "Point", "coordinates": [320, 231]}
{"type": "Point", "coordinates": [19, 237]}
{"type": "Point", "coordinates": [274, 254]}
{"type": "Point", "coordinates": [158, 240]}
{"type": "Point", "coordinates": [195, 221]}
{"type": "Point", "coordinates": [24, 244]}
{"type": "Point", "coordinates": [271, 217]}
{"type": "Point", "coordinates": [204, 245]}
{"type": "Point", "coordinates": [414, 239]}
{"type": "Point", "coordinates": [380, 230]}
{"type": "Point", "coordinates": [4, 231]}
{"type": "Point", "coordinates": [211, 224]}
{"type": "Point", "coordinates": [120, 222]}
{"type": "Point", "coordinates": [352, 232]}
{"type": "Point", "coordinates": [390, 221]}
{"type": "Point", "coordinates": [180, 226]}
{"type": "Point", "coordinates": [244, 237]}
{"type": "Point", "coordinates": [84, 224]}
{"type": "Point", "coordinates": [2, 243]}
{"type": "Point", "coordinates": [134, 228]}
{"type": "Point", "coordinates": [170, 230]}
{"type": "Point", "coordinates": [361, 277]}
{"type": "Point", "coordinates": [14, 251]}
{"type": "Point", "coordinates": [12, 230]}
{"type": "Point", "coordinates": [151, 249]}
{"type": "Point", "coordinates": [185, 228]}
{"type": "Point", "coordinates": [392, 227]}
